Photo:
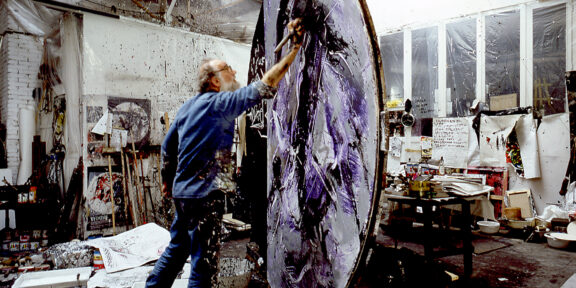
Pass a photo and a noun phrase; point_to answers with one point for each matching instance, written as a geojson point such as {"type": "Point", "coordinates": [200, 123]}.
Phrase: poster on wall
{"type": "Point", "coordinates": [132, 115]}
{"type": "Point", "coordinates": [451, 141]}
{"type": "Point", "coordinates": [96, 142]}
{"type": "Point", "coordinates": [99, 200]}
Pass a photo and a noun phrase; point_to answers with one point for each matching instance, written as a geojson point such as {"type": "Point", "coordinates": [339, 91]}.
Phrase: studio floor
{"type": "Point", "coordinates": [502, 261]}
{"type": "Point", "coordinates": [498, 261]}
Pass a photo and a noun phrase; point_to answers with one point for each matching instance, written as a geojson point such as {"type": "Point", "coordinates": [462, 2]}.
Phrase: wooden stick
{"type": "Point", "coordinates": [132, 196]}
{"type": "Point", "coordinates": [124, 188]}
{"type": "Point", "coordinates": [112, 195]}
{"type": "Point", "coordinates": [140, 191]}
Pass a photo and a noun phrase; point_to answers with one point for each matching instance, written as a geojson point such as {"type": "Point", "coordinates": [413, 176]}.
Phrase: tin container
{"type": "Point", "coordinates": [34, 245]}
{"type": "Point", "coordinates": [32, 194]}
{"type": "Point", "coordinates": [98, 261]}
{"type": "Point", "coordinates": [24, 246]}
{"type": "Point", "coordinates": [419, 187]}
{"type": "Point", "coordinates": [14, 246]}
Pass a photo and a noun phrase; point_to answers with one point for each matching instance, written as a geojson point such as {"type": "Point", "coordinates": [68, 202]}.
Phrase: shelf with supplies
{"type": "Point", "coordinates": [25, 219]}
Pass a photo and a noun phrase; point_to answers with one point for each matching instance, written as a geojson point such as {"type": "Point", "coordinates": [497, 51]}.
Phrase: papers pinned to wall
{"type": "Point", "coordinates": [526, 131]}
{"type": "Point", "coordinates": [411, 149]}
{"type": "Point", "coordinates": [451, 141]}
{"type": "Point", "coordinates": [494, 132]}
{"type": "Point", "coordinates": [503, 102]}
{"type": "Point", "coordinates": [104, 125]}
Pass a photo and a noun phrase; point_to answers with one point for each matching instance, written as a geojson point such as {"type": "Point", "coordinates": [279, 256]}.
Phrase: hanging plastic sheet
{"type": "Point", "coordinates": [503, 54]}
{"type": "Point", "coordinates": [549, 54]}
{"type": "Point", "coordinates": [32, 17]}
{"type": "Point", "coordinates": [71, 79]}
{"type": "Point", "coordinates": [392, 51]}
{"type": "Point", "coordinates": [460, 67]}
{"type": "Point", "coordinates": [424, 71]}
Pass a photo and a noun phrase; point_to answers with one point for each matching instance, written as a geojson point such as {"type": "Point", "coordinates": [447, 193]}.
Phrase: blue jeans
{"type": "Point", "coordinates": [195, 232]}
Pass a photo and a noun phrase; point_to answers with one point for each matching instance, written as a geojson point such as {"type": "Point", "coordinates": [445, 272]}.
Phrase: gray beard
{"type": "Point", "coordinates": [230, 86]}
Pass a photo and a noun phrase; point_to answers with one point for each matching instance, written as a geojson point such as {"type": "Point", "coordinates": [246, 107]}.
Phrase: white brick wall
{"type": "Point", "coordinates": [20, 59]}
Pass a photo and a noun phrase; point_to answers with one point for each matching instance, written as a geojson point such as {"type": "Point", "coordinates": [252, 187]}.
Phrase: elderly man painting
{"type": "Point", "coordinates": [196, 148]}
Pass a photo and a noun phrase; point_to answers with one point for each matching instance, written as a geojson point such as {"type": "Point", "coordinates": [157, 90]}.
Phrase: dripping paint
{"type": "Point", "coordinates": [322, 142]}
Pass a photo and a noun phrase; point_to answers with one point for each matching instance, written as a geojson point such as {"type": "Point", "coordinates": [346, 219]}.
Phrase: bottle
{"type": "Point", "coordinates": [441, 169]}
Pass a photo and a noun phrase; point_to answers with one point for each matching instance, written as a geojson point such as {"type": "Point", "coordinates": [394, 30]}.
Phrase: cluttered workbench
{"type": "Point", "coordinates": [428, 207]}
{"type": "Point", "coordinates": [425, 203]}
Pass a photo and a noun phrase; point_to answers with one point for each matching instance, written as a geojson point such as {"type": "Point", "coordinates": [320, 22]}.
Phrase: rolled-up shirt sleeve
{"type": "Point", "coordinates": [265, 91]}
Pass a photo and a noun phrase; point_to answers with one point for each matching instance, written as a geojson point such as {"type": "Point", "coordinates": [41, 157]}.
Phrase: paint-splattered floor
{"type": "Point", "coordinates": [503, 261]}
{"type": "Point", "coordinates": [500, 261]}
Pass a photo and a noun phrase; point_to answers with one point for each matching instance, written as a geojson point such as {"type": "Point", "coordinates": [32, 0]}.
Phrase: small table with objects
{"type": "Point", "coordinates": [427, 205]}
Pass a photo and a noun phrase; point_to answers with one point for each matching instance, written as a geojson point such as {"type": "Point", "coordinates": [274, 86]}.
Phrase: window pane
{"type": "Point", "coordinates": [424, 71]}
{"type": "Point", "coordinates": [549, 50]}
{"type": "Point", "coordinates": [503, 55]}
{"type": "Point", "coordinates": [461, 67]}
{"type": "Point", "coordinates": [392, 50]}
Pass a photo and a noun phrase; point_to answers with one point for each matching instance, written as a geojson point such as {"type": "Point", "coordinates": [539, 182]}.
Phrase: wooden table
{"type": "Point", "coordinates": [427, 205]}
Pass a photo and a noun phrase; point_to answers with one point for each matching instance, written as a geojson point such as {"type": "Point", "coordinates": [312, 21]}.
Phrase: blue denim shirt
{"type": "Point", "coordinates": [198, 143]}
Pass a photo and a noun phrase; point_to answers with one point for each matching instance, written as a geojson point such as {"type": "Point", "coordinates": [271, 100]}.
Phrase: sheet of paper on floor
{"type": "Point", "coordinates": [132, 248]}
{"type": "Point", "coordinates": [120, 279]}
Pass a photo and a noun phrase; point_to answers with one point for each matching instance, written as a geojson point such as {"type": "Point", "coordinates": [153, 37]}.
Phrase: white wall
{"type": "Point", "coordinates": [134, 59]}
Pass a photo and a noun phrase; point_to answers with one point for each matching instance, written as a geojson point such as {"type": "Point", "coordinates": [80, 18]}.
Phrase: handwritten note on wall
{"type": "Point", "coordinates": [451, 141]}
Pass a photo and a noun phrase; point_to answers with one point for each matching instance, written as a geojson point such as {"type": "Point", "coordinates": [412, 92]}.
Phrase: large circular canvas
{"type": "Point", "coordinates": [323, 135]}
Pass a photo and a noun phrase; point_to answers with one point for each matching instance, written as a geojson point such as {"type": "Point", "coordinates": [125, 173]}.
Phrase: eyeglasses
{"type": "Point", "coordinates": [227, 67]}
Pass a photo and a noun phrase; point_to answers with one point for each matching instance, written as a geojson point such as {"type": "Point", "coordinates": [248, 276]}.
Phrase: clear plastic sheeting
{"type": "Point", "coordinates": [392, 50]}
{"type": "Point", "coordinates": [71, 79]}
{"type": "Point", "coordinates": [549, 50]}
{"type": "Point", "coordinates": [424, 71]}
{"type": "Point", "coordinates": [461, 67]}
{"type": "Point", "coordinates": [503, 55]}
{"type": "Point", "coordinates": [32, 17]}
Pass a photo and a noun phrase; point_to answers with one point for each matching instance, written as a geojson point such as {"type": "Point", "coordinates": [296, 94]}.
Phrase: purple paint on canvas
{"type": "Point", "coordinates": [322, 137]}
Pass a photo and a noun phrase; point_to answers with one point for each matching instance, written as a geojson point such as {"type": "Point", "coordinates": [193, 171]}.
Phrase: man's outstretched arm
{"type": "Point", "coordinates": [272, 77]}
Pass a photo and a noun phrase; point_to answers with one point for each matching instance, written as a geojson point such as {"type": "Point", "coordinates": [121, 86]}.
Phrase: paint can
{"type": "Point", "coordinates": [32, 194]}
{"type": "Point", "coordinates": [6, 245]}
{"type": "Point", "coordinates": [44, 241]}
{"type": "Point", "coordinates": [24, 246]}
{"type": "Point", "coordinates": [98, 261]}
{"type": "Point", "coordinates": [23, 197]}
{"type": "Point", "coordinates": [14, 246]}
{"type": "Point", "coordinates": [34, 245]}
